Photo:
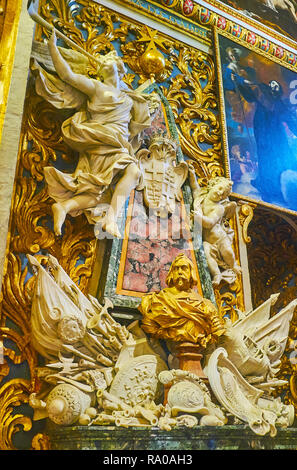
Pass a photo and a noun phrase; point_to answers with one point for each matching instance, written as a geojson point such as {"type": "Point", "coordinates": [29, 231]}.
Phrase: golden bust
{"type": "Point", "coordinates": [178, 312]}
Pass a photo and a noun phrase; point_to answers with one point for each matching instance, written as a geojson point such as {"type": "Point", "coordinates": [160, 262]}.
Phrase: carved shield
{"type": "Point", "coordinates": [162, 178]}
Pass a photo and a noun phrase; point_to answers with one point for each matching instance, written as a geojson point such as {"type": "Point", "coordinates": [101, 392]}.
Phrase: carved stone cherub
{"type": "Point", "coordinates": [211, 210]}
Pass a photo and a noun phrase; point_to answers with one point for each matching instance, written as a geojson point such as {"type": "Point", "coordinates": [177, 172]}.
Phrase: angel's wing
{"type": "Point", "coordinates": [78, 62]}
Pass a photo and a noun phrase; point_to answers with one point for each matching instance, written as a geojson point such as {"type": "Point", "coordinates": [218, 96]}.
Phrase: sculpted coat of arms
{"type": "Point", "coordinates": [162, 178]}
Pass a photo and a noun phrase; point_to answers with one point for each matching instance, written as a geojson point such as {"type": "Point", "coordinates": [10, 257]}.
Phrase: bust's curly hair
{"type": "Point", "coordinates": [193, 280]}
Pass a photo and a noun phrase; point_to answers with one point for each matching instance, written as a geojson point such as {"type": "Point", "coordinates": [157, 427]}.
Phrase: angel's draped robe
{"type": "Point", "coordinates": [104, 131]}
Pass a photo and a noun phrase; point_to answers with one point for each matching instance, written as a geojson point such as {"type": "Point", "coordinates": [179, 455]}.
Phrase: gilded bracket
{"type": "Point", "coordinates": [246, 214]}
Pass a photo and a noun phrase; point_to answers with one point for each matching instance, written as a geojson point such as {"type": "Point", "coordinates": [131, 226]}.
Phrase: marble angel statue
{"type": "Point", "coordinates": [211, 209]}
{"type": "Point", "coordinates": [104, 130]}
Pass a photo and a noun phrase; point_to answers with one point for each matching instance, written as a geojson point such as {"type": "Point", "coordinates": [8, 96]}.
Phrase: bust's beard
{"type": "Point", "coordinates": [182, 284]}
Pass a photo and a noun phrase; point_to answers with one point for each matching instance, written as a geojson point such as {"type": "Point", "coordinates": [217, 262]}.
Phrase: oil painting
{"type": "Point", "coordinates": [259, 124]}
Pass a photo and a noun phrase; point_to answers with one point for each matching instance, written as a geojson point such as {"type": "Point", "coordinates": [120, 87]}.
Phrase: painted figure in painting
{"type": "Point", "coordinates": [245, 75]}
{"type": "Point", "coordinates": [272, 122]}
{"type": "Point", "coordinates": [278, 14]}
{"type": "Point", "coordinates": [284, 6]}
{"type": "Point", "coordinates": [212, 209]}
{"type": "Point", "coordinates": [234, 66]}
{"type": "Point", "coordinates": [104, 131]}
{"type": "Point", "coordinates": [178, 312]}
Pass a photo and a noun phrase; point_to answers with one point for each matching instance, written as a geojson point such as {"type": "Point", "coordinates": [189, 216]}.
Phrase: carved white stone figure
{"type": "Point", "coordinates": [161, 177]}
{"type": "Point", "coordinates": [212, 209]}
{"type": "Point", "coordinates": [104, 130]}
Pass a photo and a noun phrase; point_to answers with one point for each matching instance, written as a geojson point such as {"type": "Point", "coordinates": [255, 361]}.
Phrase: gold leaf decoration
{"type": "Point", "coordinates": [246, 214]}
{"type": "Point", "coordinates": [194, 110]}
{"type": "Point", "coordinates": [12, 394]}
{"type": "Point", "coordinates": [40, 442]}
{"type": "Point", "coordinates": [31, 209]}
{"type": "Point", "coordinates": [4, 371]}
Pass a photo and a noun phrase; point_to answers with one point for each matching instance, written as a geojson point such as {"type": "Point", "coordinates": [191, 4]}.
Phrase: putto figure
{"type": "Point", "coordinates": [211, 210]}
{"type": "Point", "coordinates": [178, 312]}
{"type": "Point", "coordinates": [104, 130]}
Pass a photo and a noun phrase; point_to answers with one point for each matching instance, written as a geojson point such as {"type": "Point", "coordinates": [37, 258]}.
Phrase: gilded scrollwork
{"type": "Point", "coordinates": [42, 139]}
{"type": "Point", "coordinates": [12, 394]}
{"type": "Point", "coordinates": [246, 213]}
{"type": "Point", "coordinates": [194, 110]}
{"type": "Point", "coordinates": [40, 442]}
{"type": "Point", "coordinates": [9, 18]}
{"type": "Point", "coordinates": [16, 308]}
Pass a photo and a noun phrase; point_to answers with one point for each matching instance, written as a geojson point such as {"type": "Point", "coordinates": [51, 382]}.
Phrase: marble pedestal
{"type": "Point", "coordinates": [199, 438]}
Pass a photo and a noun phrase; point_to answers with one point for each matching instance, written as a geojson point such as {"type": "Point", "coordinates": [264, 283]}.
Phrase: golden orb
{"type": "Point", "coordinates": [152, 61]}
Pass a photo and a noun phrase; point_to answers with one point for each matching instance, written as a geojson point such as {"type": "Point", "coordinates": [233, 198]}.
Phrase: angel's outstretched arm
{"type": "Point", "coordinates": [80, 82]}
